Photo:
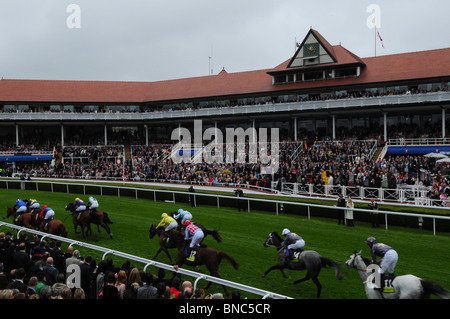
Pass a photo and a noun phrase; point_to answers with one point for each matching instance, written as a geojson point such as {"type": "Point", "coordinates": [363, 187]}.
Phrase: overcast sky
{"type": "Point", "coordinates": [147, 40]}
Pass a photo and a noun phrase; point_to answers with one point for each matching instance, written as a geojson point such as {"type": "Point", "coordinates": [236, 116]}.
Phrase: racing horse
{"type": "Point", "coordinates": [207, 256]}
{"type": "Point", "coordinates": [308, 260]}
{"type": "Point", "coordinates": [25, 219]}
{"type": "Point", "coordinates": [54, 227]}
{"type": "Point", "coordinates": [405, 287]}
{"type": "Point", "coordinates": [206, 231]}
{"type": "Point", "coordinates": [163, 245]}
{"type": "Point", "coordinates": [85, 218]}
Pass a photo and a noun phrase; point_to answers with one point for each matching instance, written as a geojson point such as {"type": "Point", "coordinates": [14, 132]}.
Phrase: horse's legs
{"type": "Point", "coordinates": [319, 286]}
{"type": "Point", "coordinates": [315, 280]}
{"type": "Point", "coordinates": [277, 266]}
{"type": "Point", "coordinates": [106, 227]}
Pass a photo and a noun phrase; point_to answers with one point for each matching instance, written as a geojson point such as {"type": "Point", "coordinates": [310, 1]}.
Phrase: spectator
{"type": "Point", "coordinates": [100, 279]}
{"type": "Point", "coordinates": [341, 212]}
{"type": "Point", "coordinates": [121, 282]}
{"type": "Point", "coordinates": [50, 272]}
{"type": "Point", "coordinates": [199, 293]}
{"type": "Point", "coordinates": [74, 259]}
{"type": "Point", "coordinates": [236, 294]}
{"type": "Point", "coordinates": [18, 281]}
{"type": "Point", "coordinates": [349, 212]}
{"type": "Point", "coordinates": [79, 294]}
{"type": "Point", "coordinates": [110, 290]}
{"type": "Point", "coordinates": [374, 214]}
{"type": "Point", "coordinates": [66, 293]}
{"type": "Point", "coordinates": [86, 274]}
{"type": "Point", "coordinates": [147, 291]}
{"type": "Point", "coordinates": [174, 289]}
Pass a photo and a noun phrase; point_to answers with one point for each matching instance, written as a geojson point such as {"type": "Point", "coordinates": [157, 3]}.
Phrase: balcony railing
{"type": "Point", "coordinates": [433, 97]}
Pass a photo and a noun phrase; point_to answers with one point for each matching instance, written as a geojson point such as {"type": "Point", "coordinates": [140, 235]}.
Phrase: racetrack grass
{"type": "Point", "coordinates": [420, 253]}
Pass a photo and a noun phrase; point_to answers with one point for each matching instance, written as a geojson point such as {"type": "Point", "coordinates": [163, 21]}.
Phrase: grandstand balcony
{"type": "Point", "coordinates": [286, 107]}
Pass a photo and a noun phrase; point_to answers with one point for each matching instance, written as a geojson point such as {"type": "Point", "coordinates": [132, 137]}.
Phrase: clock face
{"type": "Point", "coordinates": [311, 50]}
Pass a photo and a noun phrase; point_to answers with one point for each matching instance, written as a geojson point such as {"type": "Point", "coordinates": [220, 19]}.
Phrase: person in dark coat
{"type": "Point", "coordinates": [21, 259]}
{"type": "Point", "coordinates": [50, 271]}
{"type": "Point", "coordinates": [109, 290]}
{"type": "Point", "coordinates": [341, 213]}
{"type": "Point", "coordinates": [17, 283]}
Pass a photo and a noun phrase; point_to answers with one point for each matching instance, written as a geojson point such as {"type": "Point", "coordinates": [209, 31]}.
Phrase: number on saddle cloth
{"type": "Point", "coordinates": [386, 283]}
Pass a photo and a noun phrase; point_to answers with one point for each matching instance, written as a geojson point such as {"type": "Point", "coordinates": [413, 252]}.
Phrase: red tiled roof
{"type": "Point", "coordinates": [396, 67]}
{"type": "Point", "coordinates": [71, 91]}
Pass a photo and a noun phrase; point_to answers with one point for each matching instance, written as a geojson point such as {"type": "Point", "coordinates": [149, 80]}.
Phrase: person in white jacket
{"type": "Point", "coordinates": [349, 213]}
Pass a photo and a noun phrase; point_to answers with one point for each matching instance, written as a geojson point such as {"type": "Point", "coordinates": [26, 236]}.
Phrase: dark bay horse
{"type": "Point", "coordinates": [163, 245]}
{"type": "Point", "coordinates": [26, 219]}
{"type": "Point", "coordinates": [207, 256]}
{"type": "Point", "coordinates": [309, 260]}
{"type": "Point", "coordinates": [85, 218]}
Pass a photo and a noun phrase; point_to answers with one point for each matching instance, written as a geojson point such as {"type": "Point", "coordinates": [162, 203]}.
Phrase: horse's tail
{"type": "Point", "coordinates": [107, 219]}
{"type": "Point", "coordinates": [337, 266]}
{"type": "Point", "coordinates": [232, 261]}
{"type": "Point", "coordinates": [215, 235]}
{"type": "Point", "coordinates": [62, 230]}
{"type": "Point", "coordinates": [435, 289]}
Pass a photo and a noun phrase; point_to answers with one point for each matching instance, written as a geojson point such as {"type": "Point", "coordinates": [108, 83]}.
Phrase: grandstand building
{"type": "Point", "coordinates": [322, 91]}
{"type": "Point", "coordinates": [322, 86]}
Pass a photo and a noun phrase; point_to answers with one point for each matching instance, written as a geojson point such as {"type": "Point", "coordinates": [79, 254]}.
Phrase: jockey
{"type": "Point", "coordinates": [196, 235]}
{"type": "Point", "coordinates": [80, 205]}
{"type": "Point", "coordinates": [93, 203]}
{"type": "Point", "coordinates": [184, 214]}
{"type": "Point", "coordinates": [20, 207]}
{"type": "Point", "coordinates": [47, 213]}
{"type": "Point", "coordinates": [168, 223]}
{"type": "Point", "coordinates": [292, 241]}
{"type": "Point", "coordinates": [33, 204]}
{"type": "Point", "coordinates": [389, 256]}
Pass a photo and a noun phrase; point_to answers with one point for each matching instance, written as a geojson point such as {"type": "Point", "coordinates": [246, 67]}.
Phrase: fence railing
{"type": "Point", "coordinates": [412, 195]}
{"type": "Point", "coordinates": [278, 204]}
{"type": "Point", "coordinates": [148, 262]}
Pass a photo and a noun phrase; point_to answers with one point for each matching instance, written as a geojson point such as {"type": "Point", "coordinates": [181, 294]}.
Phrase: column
{"type": "Point", "coordinates": [443, 123]}
{"type": "Point", "coordinates": [146, 134]}
{"type": "Point", "coordinates": [62, 135]}
{"type": "Point", "coordinates": [333, 117]}
{"type": "Point", "coordinates": [106, 134]}
{"type": "Point", "coordinates": [385, 126]}
{"type": "Point", "coordinates": [17, 134]}
{"type": "Point", "coordinates": [254, 130]}
{"type": "Point", "coordinates": [295, 129]}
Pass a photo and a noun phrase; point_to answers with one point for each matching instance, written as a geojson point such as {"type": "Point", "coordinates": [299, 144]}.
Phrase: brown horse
{"type": "Point", "coordinates": [25, 220]}
{"type": "Point", "coordinates": [54, 227]}
{"type": "Point", "coordinates": [207, 256]}
{"type": "Point", "coordinates": [85, 218]}
{"type": "Point", "coordinates": [163, 245]}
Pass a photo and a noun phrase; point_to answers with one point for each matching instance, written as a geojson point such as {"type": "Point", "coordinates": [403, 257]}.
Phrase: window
{"type": "Point", "coordinates": [309, 76]}
{"type": "Point", "coordinates": [340, 73]}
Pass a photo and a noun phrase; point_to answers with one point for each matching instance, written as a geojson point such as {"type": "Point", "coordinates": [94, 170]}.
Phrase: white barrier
{"type": "Point", "coordinates": [149, 262]}
{"type": "Point", "coordinates": [249, 200]}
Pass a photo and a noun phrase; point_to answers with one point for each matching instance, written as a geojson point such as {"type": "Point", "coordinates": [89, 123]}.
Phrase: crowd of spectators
{"type": "Point", "coordinates": [347, 161]}
{"type": "Point", "coordinates": [229, 103]}
{"type": "Point", "coordinates": [37, 270]}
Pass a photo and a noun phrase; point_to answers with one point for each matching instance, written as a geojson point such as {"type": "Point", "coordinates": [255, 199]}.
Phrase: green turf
{"type": "Point", "coordinates": [420, 253]}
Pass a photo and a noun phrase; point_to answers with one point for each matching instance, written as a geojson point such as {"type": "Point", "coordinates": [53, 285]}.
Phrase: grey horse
{"type": "Point", "coordinates": [308, 260]}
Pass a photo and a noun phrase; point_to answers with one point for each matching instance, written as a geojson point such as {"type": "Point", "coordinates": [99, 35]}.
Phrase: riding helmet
{"type": "Point", "coordinates": [285, 232]}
